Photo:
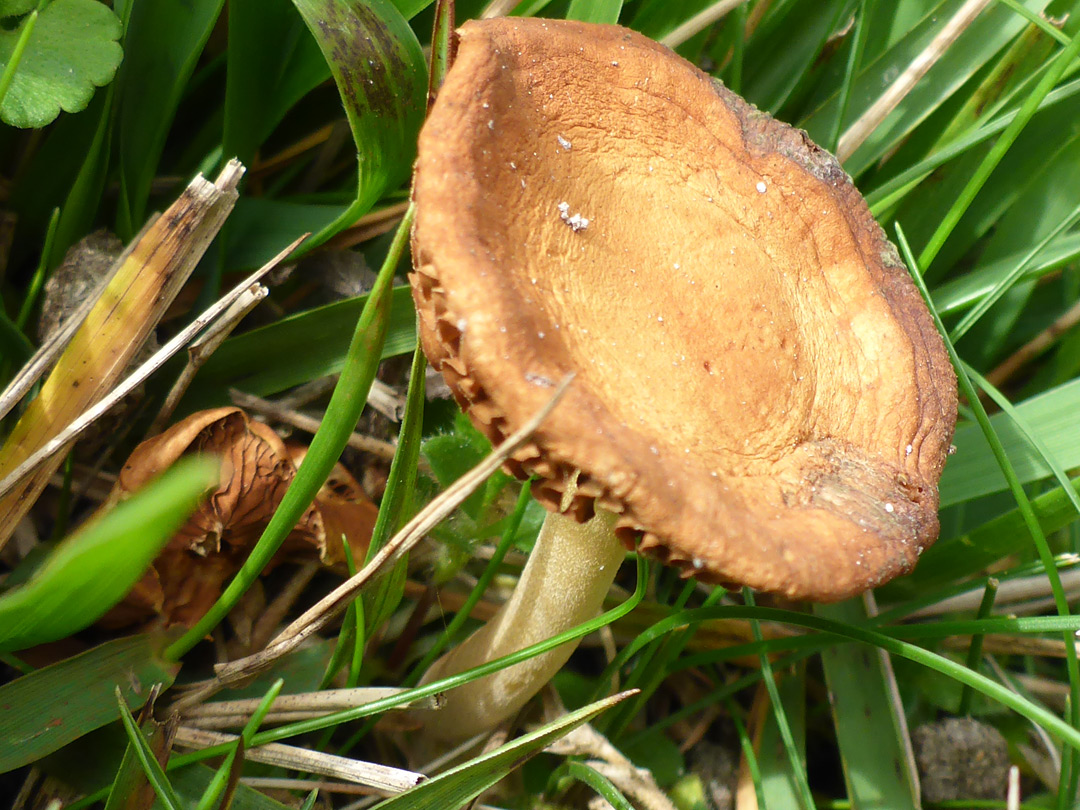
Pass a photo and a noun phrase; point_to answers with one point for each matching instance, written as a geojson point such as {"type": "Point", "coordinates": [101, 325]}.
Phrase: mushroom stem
{"type": "Point", "coordinates": [563, 585]}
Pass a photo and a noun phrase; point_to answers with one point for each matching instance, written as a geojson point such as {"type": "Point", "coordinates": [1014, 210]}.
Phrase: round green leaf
{"type": "Point", "coordinates": [73, 49]}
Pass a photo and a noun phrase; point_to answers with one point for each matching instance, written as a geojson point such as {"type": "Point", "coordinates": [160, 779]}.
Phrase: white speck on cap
{"type": "Point", "coordinates": [761, 187]}
{"type": "Point", "coordinates": [565, 144]}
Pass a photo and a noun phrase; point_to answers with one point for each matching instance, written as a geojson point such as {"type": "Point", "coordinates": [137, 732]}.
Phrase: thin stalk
{"type": "Point", "coordinates": [1072, 666]}
{"type": "Point", "coordinates": [975, 650]}
{"type": "Point", "coordinates": [798, 770]}
{"type": "Point", "coordinates": [12, 66]}
{"type": "Point", "coordinates": [342, 413]}
{"type": "Point", "coordinates": [997, 152]}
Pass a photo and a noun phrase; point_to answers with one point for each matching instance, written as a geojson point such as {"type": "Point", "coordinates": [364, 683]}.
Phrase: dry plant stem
{"type": "Point", "coordinates": [1034, 347]}
{"type": "Point", "coordinates": [337, 600]}
{"type": "Point", "coordinates": [328, 700]}
{"type": "Point", "coordinates": [699, 22]}
{"type": "Point", "coordinates": [586, 741]}
{"type": "Point", "coordinates": [880, 109]}
{"type": "Point", "coordinates": [201, 349]}
{"type": "Point", "coordinates": [73, 430]}
{"type": "Point", "coordinates": [1012, 798]}
{"type": "Point", "coordinates": [383, 777]}
{"type": "Point", "coordinates": [308, 424]}
{"type": "Point", "coordinates": [498, 8]}
{"type": "Point", "coordinates": [563, 585]}
{"type": "Point", "coordinates": [55, 343]}
{"type": "Point", "coordinates": [1009, 592]}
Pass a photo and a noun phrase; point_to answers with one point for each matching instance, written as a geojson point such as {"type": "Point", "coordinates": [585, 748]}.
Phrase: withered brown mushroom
{"type": "Point", "coordinates": [761, 397]}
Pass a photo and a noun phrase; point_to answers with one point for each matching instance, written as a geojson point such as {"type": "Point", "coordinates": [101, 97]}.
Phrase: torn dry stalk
{"type": "Point", "coordinates": [99, 352]}
{"type": "Point", "coordinates": [383, 777]}
{"type": "Point", "coordinates": [308, 703]}
{"type": "Point", "coordinates": [87, 418]}
{"type": "Point", "coordinates": [209, 342]}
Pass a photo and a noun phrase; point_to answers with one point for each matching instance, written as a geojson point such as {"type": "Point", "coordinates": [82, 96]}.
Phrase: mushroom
{"type": "Point", "coordinates": [761, 397]}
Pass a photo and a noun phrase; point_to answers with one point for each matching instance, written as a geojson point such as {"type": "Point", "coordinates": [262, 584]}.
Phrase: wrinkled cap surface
{"type": "Point", "coordinates": [760, 393]}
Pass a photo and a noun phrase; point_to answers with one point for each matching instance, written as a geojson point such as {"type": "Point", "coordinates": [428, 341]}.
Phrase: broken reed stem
{"type": "Point", "coordinates": [201, 349]}
{"type": "Point", "coordinates": [438, 510]}
{"type": "Point", "coordinates": [858, 132]}
{"type": "Point", "coordinates": [382, 777]}
{"type": "Point", "coordinates": [55, 343]}
{"type": "Point", "coordinates": [159, 358]}
{"type": "Point", "coordinates": [328, 700]}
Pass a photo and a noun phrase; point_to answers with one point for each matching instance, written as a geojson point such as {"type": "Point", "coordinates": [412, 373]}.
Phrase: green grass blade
{"type": "Point", "coordinates": [263, 83]}
{"type": "Point", "coordinates": [986, 544]}
{"type": "Point", "coordinates": [886, 639]}
{"type": "Point", "coordinates": [342, 413]}
{"type": "Point", "coordinates": [1010, 278]}
{"type": "Point", "coordinates": [746, 744]}
{"type": "Point", "coordinates": [27, 25]}
{"type": "Point", "coordinates": [130, 783]}
{"type": "Point", "coordinates": [600, 783]}
{"type": "Point", "coordinates": [974, 656]}
{"type": "Point", "coordinates": [397, 506]}
{"type": "Point", "coordinates": [221, 778]}
{"type": "Point", "coordinates": [855, 56]}
{"type": "Point", "coordinates": [56, 705]}
{"type": "Point", "coordinates": [1030, 520]}
{"type": "Point", "coordinates": [997, 151]}
{"type": "Point", "coordinates": [795, 751]}
{"type": "Point", "coordinates": [971, 472]}
{"type": "Point", "coordinates": [40, 272]}
{"type": "Point", "coordinates": [783, 768]}
{"type": "Point", "coordinates": [970, 288]}
{"type": "Point", "coordinates": [381, 74]}
{"type": "Point", "coordinates": [887, 194]}
{"type": "Point", "coordinates": [871, 732]}
{"type": "Point", "coordinates": [1029, 433]}
{"type": "Point", "coordinates": [92, 570]}
{"type": "Point", "coordinates": [433, 688]}
{"type": "Point", "coordinates": [151, 767]}
{"type": "Point", "coordinates": [594, 11]}
{"type": "Point", "coordinates": [460, 785]}
{"type": "Point", "coordinates": [162, 44]}
{"type": "Point", "coordinates": [325, 334]}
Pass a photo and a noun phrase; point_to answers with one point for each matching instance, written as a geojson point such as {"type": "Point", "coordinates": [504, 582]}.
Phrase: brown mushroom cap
{"type": "Point", "coordinates": [761, 395]}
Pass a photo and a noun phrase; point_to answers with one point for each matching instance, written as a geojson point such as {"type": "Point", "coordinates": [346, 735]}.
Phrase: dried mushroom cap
{"type": "Point", "coordinates": [761, 396]}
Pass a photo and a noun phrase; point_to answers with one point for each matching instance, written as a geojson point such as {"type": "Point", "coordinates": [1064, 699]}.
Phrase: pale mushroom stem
{"type": "Point", "coordinates": [563, 585]}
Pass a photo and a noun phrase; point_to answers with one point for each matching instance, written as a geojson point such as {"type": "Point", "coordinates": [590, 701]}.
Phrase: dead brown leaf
{"type": "Point", "coordinates": [256, 469]}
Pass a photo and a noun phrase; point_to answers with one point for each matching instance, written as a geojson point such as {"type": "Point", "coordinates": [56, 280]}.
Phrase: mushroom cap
{"type": "Point", "coordinates": [760, 395]}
